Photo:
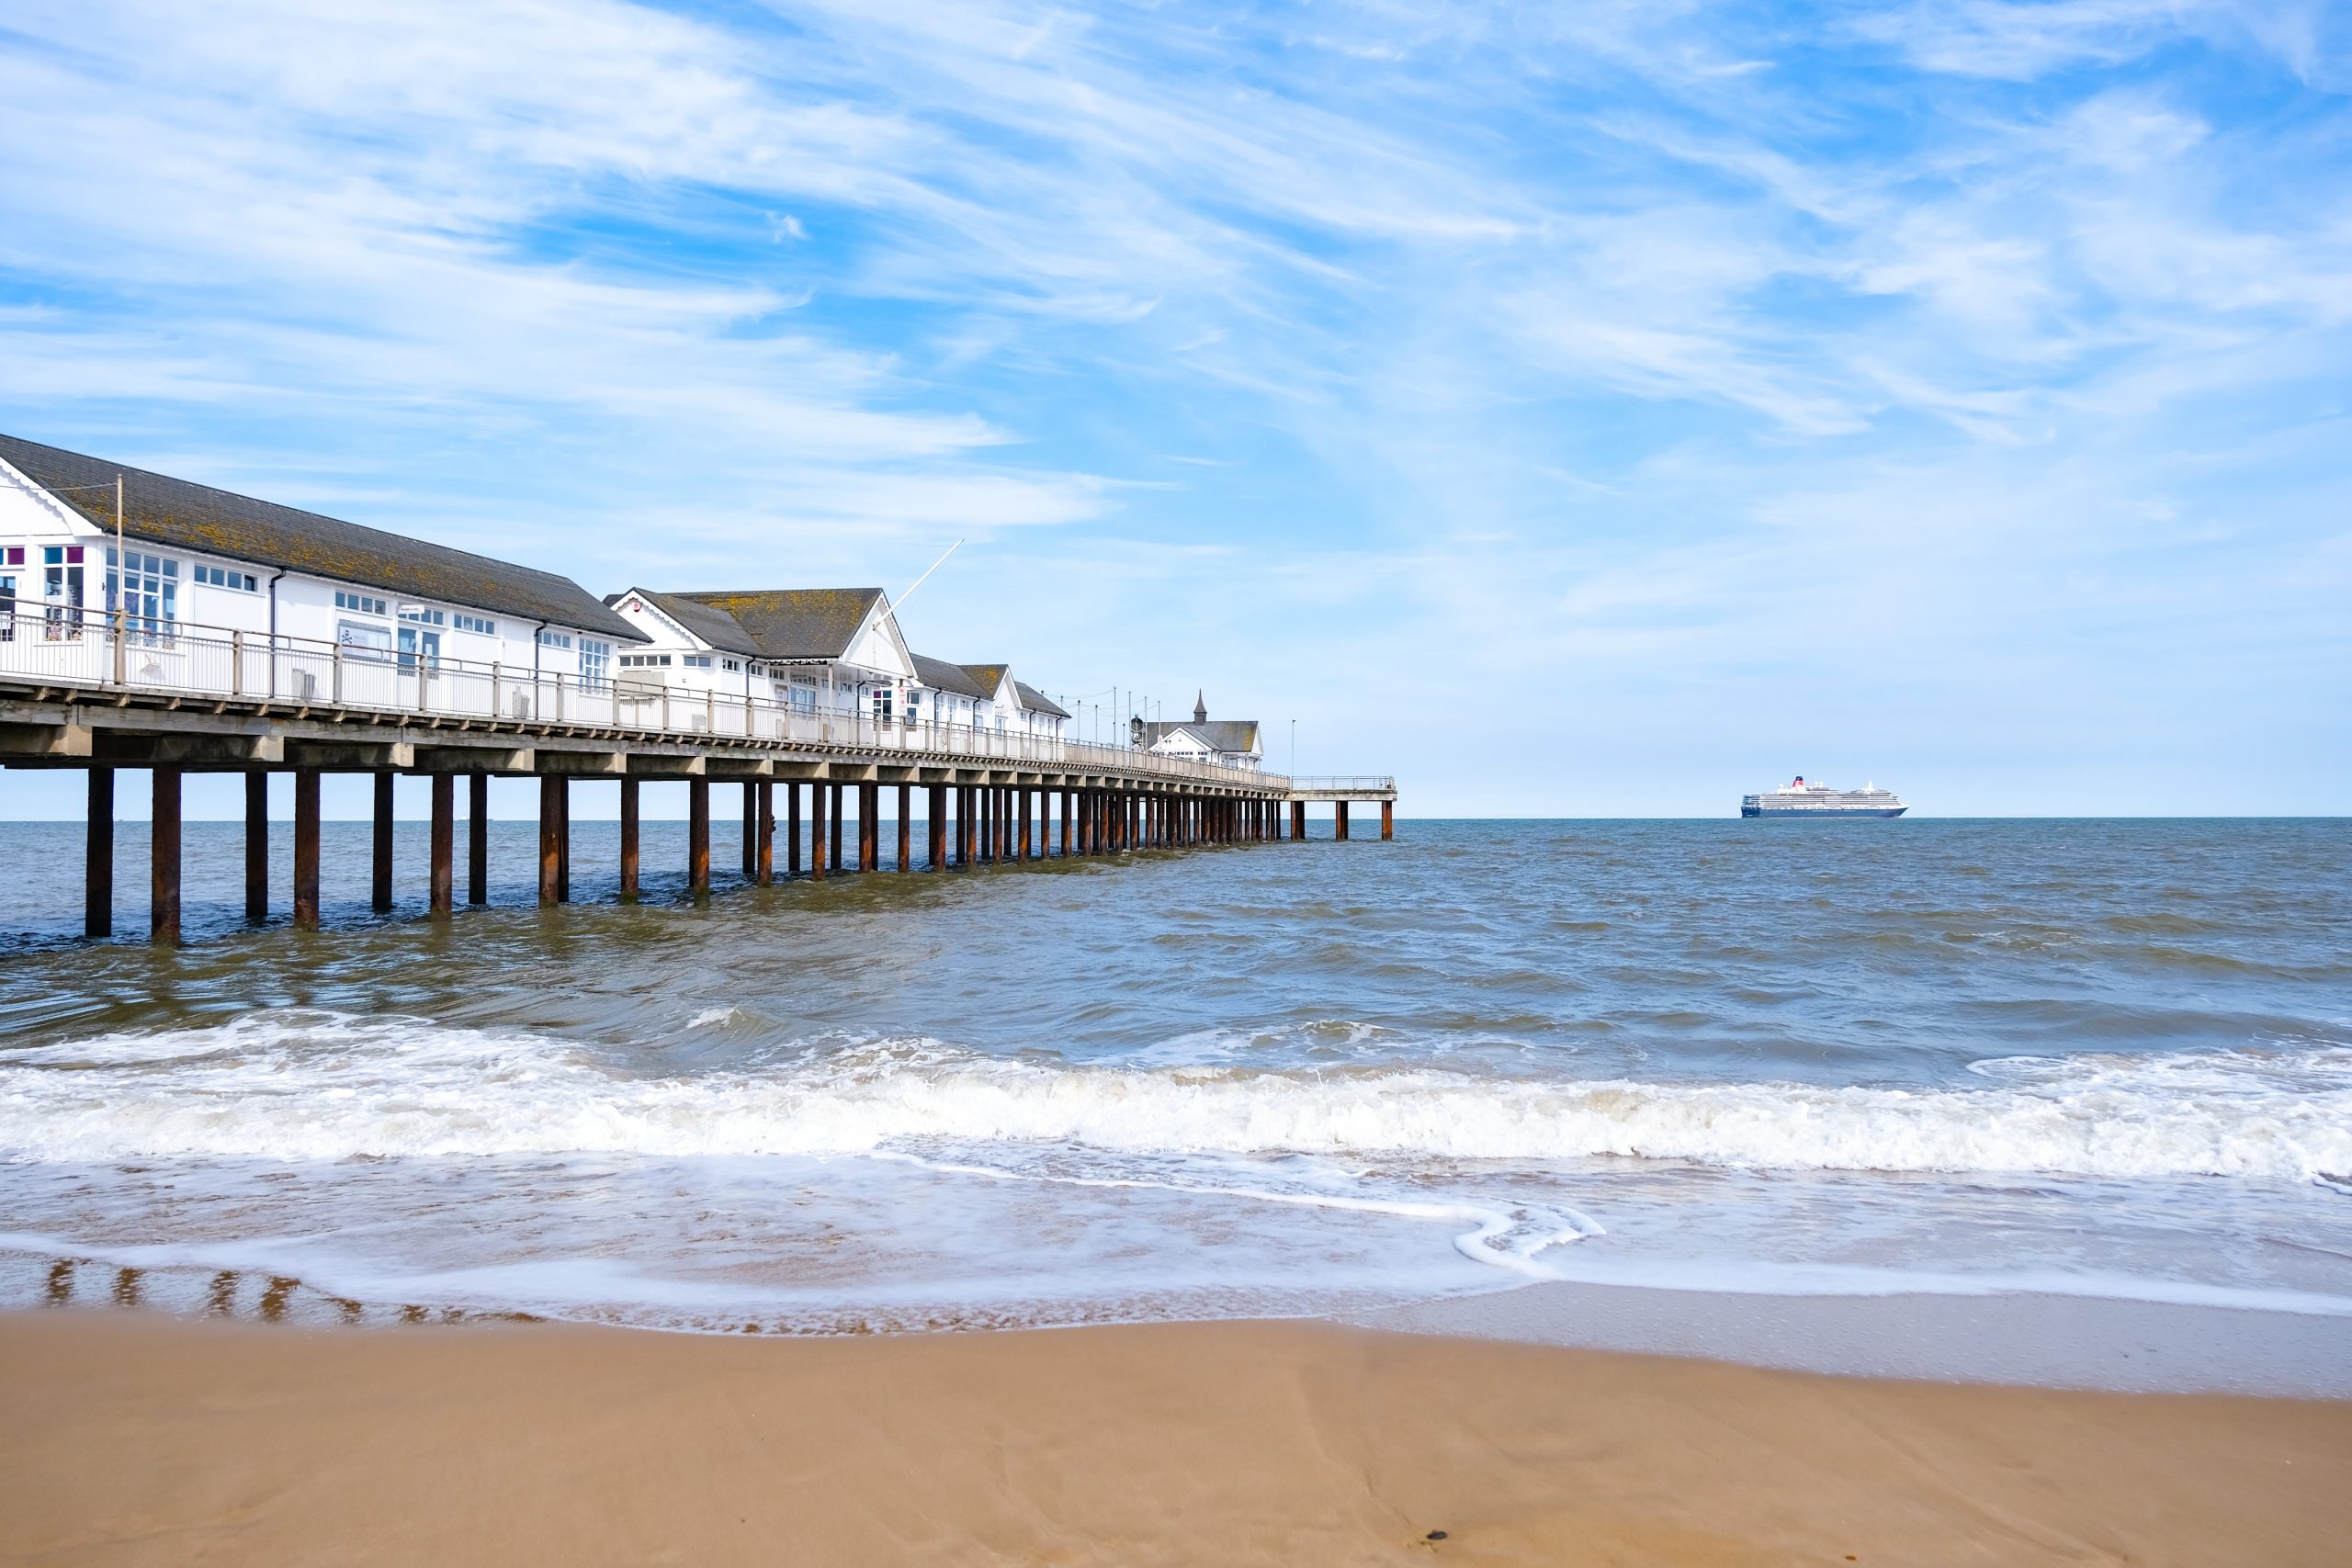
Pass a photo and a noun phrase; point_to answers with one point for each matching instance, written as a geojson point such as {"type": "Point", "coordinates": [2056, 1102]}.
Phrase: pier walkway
{"type": "Point", "coordinates": [1340, 790]}
{"type": "Point", "coordinates": [74, 693]}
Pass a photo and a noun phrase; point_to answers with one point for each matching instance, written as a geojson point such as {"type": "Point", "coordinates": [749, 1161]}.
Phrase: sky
{"type": "Point", "coordinates": [1572, 409]}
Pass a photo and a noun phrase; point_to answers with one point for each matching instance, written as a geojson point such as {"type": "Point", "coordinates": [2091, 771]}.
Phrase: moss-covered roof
{"type": "Point", "coordinates": [714, 626]}
{"type": "Point", "coordinates": [180, 514]}
{"type": "Point", "coordinates": [942, 676]}
{"type": "Point", "coordinates": [795, 623]}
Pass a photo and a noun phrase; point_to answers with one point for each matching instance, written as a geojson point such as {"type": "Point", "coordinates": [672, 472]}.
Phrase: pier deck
{"type": "Point", "coordinates": [199, 703]}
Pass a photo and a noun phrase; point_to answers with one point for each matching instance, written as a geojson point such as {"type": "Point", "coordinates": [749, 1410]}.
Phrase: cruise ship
{"type": "Point", "coordinates": [1803, 799]}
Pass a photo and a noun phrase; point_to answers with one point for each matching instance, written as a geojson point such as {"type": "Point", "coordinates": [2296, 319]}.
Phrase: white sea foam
{"type": "Point", "coordinates": [309, 1086]}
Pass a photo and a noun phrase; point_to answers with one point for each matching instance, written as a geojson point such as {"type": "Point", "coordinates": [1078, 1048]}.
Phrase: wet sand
{"type": "Point", "coordinates": [132, 1438]}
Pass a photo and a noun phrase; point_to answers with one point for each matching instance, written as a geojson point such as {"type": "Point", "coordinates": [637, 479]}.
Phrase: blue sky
{"type": "Point", "coordinates": [1574, 408]}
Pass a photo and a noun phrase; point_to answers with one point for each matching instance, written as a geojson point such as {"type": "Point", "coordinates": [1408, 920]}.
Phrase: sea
{"type": "Point", "coordinates": [2098, 1059]}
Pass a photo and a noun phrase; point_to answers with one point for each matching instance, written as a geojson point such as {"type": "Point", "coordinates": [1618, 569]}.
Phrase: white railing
{"type": "Point", "coordinates": [1337, 783]}
{"type": "Point", "coordinates": [75, 647]}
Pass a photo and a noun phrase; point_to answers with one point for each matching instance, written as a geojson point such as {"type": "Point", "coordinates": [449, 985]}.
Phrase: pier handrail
{"type": "Point", "coordinates": [1366, 782]}
{"type": "Point", "coordinates": [74, 648]}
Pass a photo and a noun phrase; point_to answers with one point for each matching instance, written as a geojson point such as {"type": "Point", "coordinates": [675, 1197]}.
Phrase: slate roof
{"type": "Point", "coordinates": [794, 623]}
{"type": "Point", "coordinates": [714, 626]}
{"type": "Point", "coordinates": [990, 676]}
{"type": "Point", "coordinates": [942, 676]}
{"type": "Point", "coordinates": [1232, 735]}
{"type": "Point", "coordinates": [1030, 698]}
{"type": "Point", "coordinates": [179, 515]}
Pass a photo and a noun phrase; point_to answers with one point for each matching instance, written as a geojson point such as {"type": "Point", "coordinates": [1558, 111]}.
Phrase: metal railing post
{"type": "Point", "coordinates": [237, 663]}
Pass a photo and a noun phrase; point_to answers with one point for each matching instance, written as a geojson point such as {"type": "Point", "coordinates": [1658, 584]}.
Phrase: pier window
{"type": "Point", "coordinates": [561, 640]}
{"type": "Point", "coordinates": [153, 584]}
{"type": "Point", "coordinates": [476, 625]}
{"type": "Point", "coordinates": [804, 694]}
{"type": "Point", "coordinates": [367, 604]}
{"type": "Point", "coordinates": [595, 662]}
{"type": "Point", "coordinates": [694, 661]}
{"type": "Point", "coordinates": [221, 577]}
{"type": "Point", "coordinates": [8, 604]}
{"type": "Point", "coordinates": [419, 643]}
{"type": "Point", "coordinates": [61, 583]}
{"type": "Point", "coordinates": [15, 556]}
{"type": "Point", "coordinates": [882, 713]}
{"type": "Point", "coordinates": [423, 616]}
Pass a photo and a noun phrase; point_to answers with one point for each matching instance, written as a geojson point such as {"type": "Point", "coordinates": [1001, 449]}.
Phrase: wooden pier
{"type": "Point", "coordinates": [989, 798]}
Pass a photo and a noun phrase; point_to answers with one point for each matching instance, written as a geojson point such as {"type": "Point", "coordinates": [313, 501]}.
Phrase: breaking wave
{"type": "Point", "coordinates": [323, 1086]}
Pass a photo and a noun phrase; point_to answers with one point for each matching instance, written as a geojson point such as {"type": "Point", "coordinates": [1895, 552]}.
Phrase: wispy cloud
{"type": "Point", "coordinates": [1611, 350]}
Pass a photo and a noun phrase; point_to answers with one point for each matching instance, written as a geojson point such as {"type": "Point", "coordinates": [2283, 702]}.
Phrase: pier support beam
{"type": "Point", "coordinates": [698, 837]}
{"type": "Point", "coordinates": [256, 846]}
{"type": "Point", "coordinates": [906, 826]}
{"type": "Point", "coordinates": [1340, 820]}
{"type": "Point", "coordinates": [817, 861]}
{"type": "Point", "coordinates": [97, 856]}
{"type": "Point", "coordinates": [632, 809]}
{"type": "Point", "coordinates": [1298, 819]}
{"type": "Point", "coordinates": [935, 826]}
{"type": "Point", "coordinates": [478, 837]}
{"type": "Point", "coordinates": [550, 839]}
{"type": "Point", "coordinates": [763, 861]}
{"type": "Point", "coordinates": [379, 897]}
{"type": "Point", "coordinates": [306, 848]}
{"type": "Point", "coordinates": [833, 855]}
{"type": "Point", "coordinates": [164, 879]}
{"type": "Point", "coordinates": [1388, 819]}
{"type": "Point", "coordinates": [563, 840]}
{"type": "Point", "coordinates": [443, 855]}
{"type": "Point", "coordinates": [1023, 849]}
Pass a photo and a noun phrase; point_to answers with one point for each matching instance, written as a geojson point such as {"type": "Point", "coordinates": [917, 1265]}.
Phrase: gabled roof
{"type": "Point", "coordinates": [1036, 701]}
{"type": "Point", "coordinates": [180, 514]}
{"type": "Point", "coordinates": [795, 623]}
{"type": "Point", "coordinates": [990, 676]}
{"type": "Point", "coordinates": [1230, 735]}
{"type": "Point", "coordinates": [717, 628]}
{"type": "Point", "coordinates": [942, 676]}
{"type": "Point", "coordinates": [184, 515]}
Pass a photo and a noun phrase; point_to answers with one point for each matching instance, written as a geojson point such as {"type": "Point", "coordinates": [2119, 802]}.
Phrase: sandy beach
{"type": "Point", "coordinates": [131, 1437]}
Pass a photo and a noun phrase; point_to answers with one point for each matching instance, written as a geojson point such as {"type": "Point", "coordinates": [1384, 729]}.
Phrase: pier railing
{"type": "Point", "coordinates": [1368, 783]}
{"type": "Point", "coordinates": [65, 647]}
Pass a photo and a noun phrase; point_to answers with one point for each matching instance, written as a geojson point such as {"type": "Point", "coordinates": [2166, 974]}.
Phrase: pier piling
{"type": "Point", "coordinates": [551, 831]}
{"type": "Point", "coordinates": [478, 837]}
{"type": "Point", "coordinates": [833, 805]}
{"type": "Point", "coordinates": [163, 901]}
{"type": "Point", "coordinates": [935, 826]}
{"type": "Point", "coordinates": [256, 846]}
{"type": "Point", "coordinates": [631, 816]}
{"type": "Point", "coordinates": [1340, 820]}
{"type": "Point", "coordinates": [380, 886]}
{"type": "Point", "coordinates": [443, 877]}
{"type": "Point", "coordinates": [97, 856]}
{"type": "Point", "coordinates": [750, 846]}
{"type": "Point", "coordinates": [817, 832]}
{"type": "Point", "coordinates": [306, 848]}
{"type": "Point", "coordinates": [906, 828]}
{"type": "Point", "coordinates": [698, 837]}
{"type": "Point", "coordinates": [791, 829]}
{"type": "Point", "coordinates": [764, 863]}
{"type": "Point", "coordinates": [869, 826]}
